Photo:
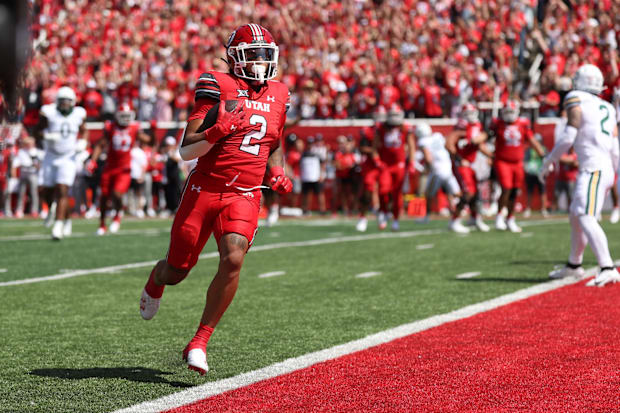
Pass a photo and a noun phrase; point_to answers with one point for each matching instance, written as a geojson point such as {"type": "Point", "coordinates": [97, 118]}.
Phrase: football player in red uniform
{"type": "Point", "coordinates": [396, 148]}
{"type": "Point", "coordinates": [512, 133]}
{"type": "Point", "coordinates": [463, 143]}
{"type": "Point", "coordinates": [370, 169]}
{"type": "Point", "coordinates": [119, 137]}
{"type": "Point", "coordinates": [222, 193]}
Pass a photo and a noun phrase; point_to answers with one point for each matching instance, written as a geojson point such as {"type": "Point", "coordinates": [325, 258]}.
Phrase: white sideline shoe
{"type": "Point", "coordinates": [456, 226]}
{"type": "Point", "coordinates": [101, 231]}
{"type": "Point", "coordinates": [566, 271]}
{"type": "Point", "coordinates": [512, 225]}
{"type": "Point", "coordinates": [362, 224]}
{"type": "Point", "coordinates": [196, 360]}
{"type": "Point", "coordinates": [114, 226]}
{"type": "Point", "coordinates": [67, 228]}
{"type": "Point", "coordinates": [615, 216]}
{"type": "Point", "coordinates": [604, 277]}
{"type": "Point", "coordinates": [148, 305]}
{"type": "Point", "coordinates": [57, 230]}
{"type": "Point", "coordinates": [500, 223]}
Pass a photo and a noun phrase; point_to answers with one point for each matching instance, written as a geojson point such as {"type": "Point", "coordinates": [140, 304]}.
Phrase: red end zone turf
{"type": "Point", "coordinates": [555, 352]}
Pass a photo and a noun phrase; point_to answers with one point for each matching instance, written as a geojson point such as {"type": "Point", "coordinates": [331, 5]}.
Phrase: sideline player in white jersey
{"type": "Point", "coordinates": [593, 132]}
{"type": "Point", "coordinates": [437, 159]}
{"type": "Point", "coordinates": [63, 131]}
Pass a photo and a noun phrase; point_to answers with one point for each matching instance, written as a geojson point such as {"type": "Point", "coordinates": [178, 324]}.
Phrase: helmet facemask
{"type": "Point", "coordinates": [124, 118]}
{"type": "Point", "coordinates": [254, 61]}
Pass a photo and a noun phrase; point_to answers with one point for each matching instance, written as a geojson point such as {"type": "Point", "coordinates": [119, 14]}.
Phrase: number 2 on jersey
{"type": "Point", "coordinates": [606, 110]}
{"type": "Point", "coordinates": [257, 134]}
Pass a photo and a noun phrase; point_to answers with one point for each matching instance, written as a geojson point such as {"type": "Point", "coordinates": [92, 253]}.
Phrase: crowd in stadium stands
{"type": "Point", "coordinates": [340, 59]}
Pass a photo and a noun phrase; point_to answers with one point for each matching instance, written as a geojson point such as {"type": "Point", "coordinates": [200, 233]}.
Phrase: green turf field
{"type": "Point", "coordinates": [79, 344]}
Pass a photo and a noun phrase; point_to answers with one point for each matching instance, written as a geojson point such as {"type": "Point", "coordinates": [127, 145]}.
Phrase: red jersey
{"type": "Point", "coordinates": [510, 139]}
{"type": "Point", "coordinates": [241, 160]}
{"type": "Point", "coordinates": [120, 140]}
{"type": "Point", "coordinates": [465, 148]}
{"type": "Point", "coordinates": [345, 163]}
{"type": "Point", "coordinates": [392, 144]}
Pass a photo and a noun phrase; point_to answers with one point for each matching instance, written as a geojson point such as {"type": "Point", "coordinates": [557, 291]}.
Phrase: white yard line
{"type": "Point", "coordinates": [424, 246]}
{"type": "Point", "coordinates": [368, 274]}
{"type": "Point", "coordinates": [46, 236]}
{"type": "Point", "coordinates": [271, 274]}
{"type": "Point", "coordinates": [210, 389]}
{"type": "Point", "coordinates": [323, 241]}
{"type": "Point", "coordinates": [466, 275]}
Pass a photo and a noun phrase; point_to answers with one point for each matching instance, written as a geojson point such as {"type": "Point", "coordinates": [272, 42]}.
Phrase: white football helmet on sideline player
{"type": "Point", "coordinates": [65, 100]}
{"type": "Point", "coordinates": [470, 113]}
{"type": "Point", "coordinates": [589, 79]}
{"type": "Point", "coordinates": [422, 130]}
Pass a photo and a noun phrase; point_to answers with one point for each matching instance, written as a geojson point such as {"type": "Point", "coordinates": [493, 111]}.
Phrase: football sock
{"type": "Point", "coordinates": [201, 338]}
{"type": "Point", "coordinates": [597, 240]}
{"type": "Point", "coordinates": [606, 268]}
{"type": "Point", "coordinates": [578, 240]}
{"type": "Point", "coordinates": [152, 289]}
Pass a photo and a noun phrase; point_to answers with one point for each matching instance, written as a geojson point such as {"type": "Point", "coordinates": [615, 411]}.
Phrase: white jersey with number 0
{"type": "Point", "coordinates": [436, 144]}
{"type": "Point", "coordinates": [595, 139]}
{"type": "Point", "coordinates": [61, 134]}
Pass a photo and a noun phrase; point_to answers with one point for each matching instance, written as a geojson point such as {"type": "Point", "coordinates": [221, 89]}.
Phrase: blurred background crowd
{"type": "Point", "coordinates": [340, 60]}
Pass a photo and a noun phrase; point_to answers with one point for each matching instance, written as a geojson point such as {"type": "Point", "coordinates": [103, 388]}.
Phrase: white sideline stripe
{"type": "Point", "coordinates": [116, 268]}
{"type": "Point", "coordinates": [424, 246]}
{"type": "Point", "coordinates": [368, 274]}
{"type": "Point", "coordinates": [468, 275]}
{"type": "Point", "coordinates": [271, 274]}
{"type": "Point", "coordinates": [3, 269]}
{"type": "Point", "coordinates": [323, 241]}
{"type": "Point", "coordinates": [287, 366]}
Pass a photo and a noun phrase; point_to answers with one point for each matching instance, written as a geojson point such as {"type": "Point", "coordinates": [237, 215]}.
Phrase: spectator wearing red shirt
{"type": "Point", "coordinates": [345, 163]}
{"type": "Point", "coordinates": [431, 95]}
{"type": "Point", "coordinates": [92, 101]}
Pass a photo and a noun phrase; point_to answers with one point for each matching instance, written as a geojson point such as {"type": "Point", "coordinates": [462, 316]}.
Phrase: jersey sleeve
{"type": "Point", "coordinates": [571, 100]}
{"type": "Point", "coordinates": [47, 110]}
{"type": "Point", "coordinates": [424, 142]}
{"type": "Point", "coordinates": [207, 87]}
{"type": "Point", "coordinates": [82, 112]}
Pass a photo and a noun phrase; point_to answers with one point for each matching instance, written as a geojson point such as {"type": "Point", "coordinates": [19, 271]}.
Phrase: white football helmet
{"type": "Point", "coordinates": [125, 115]}
{"type": "Point", "coordinates": [422, 130]}
{"type": "Point", "coordinates": [470, 113]}
{"type": "Point", "coordinates": [510, 111]}
{"type": "Point", "coordinates": [65, 100]}
{"type": "Point", "coordinates": [589, 79]}
{"type": "Point", "coordinates": [395, 116]}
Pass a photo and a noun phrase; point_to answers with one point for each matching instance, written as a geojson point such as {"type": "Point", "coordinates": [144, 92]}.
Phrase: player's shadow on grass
{"type": "Point", "coordinates": [139, 374]}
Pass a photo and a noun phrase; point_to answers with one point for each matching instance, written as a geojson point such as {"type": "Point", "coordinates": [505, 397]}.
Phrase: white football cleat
{"type": "Point", "coordinates": [382, 221]}
{"type": "Point", "coordinates": [57, 230]}
{"type": "Point", "coordinates": [196, 360]}
{"type": "Point", "coordinates": [456, 226]}
{"type": "Point", "coordinates": [527, 213]}
{"type": "Point", "coordinates": [566, 271]}
{"type": "Point", "coordinates": [500, 223]}
{"type": "Point", "coordinates": [114, 226]}
{"type": "Point", "coordinates": [615, 216]}
{"type": "Point", "coordinates": [395, 225]}
{"type": "Point", "coordinates": [101, 231]}
{"type": "Point", "coordinates": [512, 225]}
{"type": "Point", "coordinates": [140, 214]}
{"type": "Point", "coordinates": [273, 216]}
{"type": "Point", "coordinates": [148, 305]}
{"type": "Point", "coordinates": [604, 277]}
{"type": "Point", "coordinates": [362, 224]}
{"type": "Point", "coordinates": [479, 224]}
{"type": "Point", "coordinates": [67, 228]}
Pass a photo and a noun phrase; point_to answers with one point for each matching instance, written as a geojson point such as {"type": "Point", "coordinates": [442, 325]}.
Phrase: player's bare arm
{"type": "Point", "coordinates": [279, 181]}
{"type": "Point", "coordinates": [484, 149]}
{"type": "Point", "coordinates": [276, 158]}
{"type": "Point", "coordinates": [40, 127]}
{"type": "Point", "coordinates": [480, 138]}
{"type": "Point", "coordinates": [451, 140]}
{"type": "Point", "coordinates": [538, 147]}
{"type": "Point", "coordinates": [411, 147]}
